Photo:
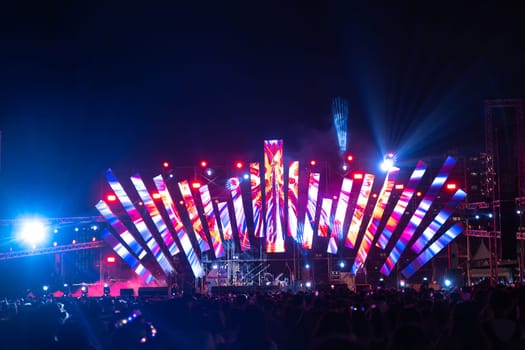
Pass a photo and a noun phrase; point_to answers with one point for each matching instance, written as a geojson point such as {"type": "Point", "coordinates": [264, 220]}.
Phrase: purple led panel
{"type": "Point", "coordinates": [178, 226]}
{"type": "Point", "coordinates": [226, 226]}
{"type": "Point", "coordinates": [193, 214]}
{"type": "Point", "coordinates": [153, 212]}
{"type": "Point", "coordinates": [274, 191]}
{"type": "Point", "coordinates": [401, 205]}
{"type": "Point", "coordinates": [359, 211]}
{"type": "Point", "coordinates": [129, 258]}
{"type": "Point", "coordinates": [438, 221]}
{"type": "Point", "coordinates": [139, 223]}
{"type": "Point", "coordinates": [213, 228]}
{"type": "Point", "coordinates": [234, 186]}
{"type": "Point", "coordinates": [339, 218]}
{"type": "Point", "coordinates": [418, 216]}
{"type": "Point", "coordinates": [293, 195]}
{"type": "Point", "coordinates": [255, 186]}
{"type": "Point", "coordinates": [324, 218]}
{"type": "Point", "coordinates": [375, 220]}
{"type": "Point", "coordinates": [309, 220]}
{"type": "Point", "coordinates": [432, 250]}
{"type": "Point", "coordinates": [121, 229]}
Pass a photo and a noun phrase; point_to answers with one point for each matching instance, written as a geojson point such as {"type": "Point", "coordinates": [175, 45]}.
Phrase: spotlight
{"type": "Point", "coordinates": [111, 198]}
{"type": "Point", "coordinates": [204, 164]}
{"type": "Point", "coordinates": [195, 185]}
{"type": "Point", "coordinates": [307, 266]}
{"type": "Point", "coordinates": [349, 157]}
{"type": "Point", "coordinates": [45, 288]}
{"type": "Point", "coordinates": [313, 162]}
{"type": "Point", "coordinates": [239, 165]}
{"type": "Point", "coordinates": [33, 232]}
{"type": "Point", "coordinates": [387, 164]}
{"type": "Point", "coordinates": [84, 291]}
{"type": "Point", "coordinates": [165, 164]}
{"type": "Point", "coordinates": [448, 283]}
{"type": "Point", "coordinates": [342, 264]}
{"type": "Point", "coordinates": [209, 171]}
{"type": "Point", "coordinates": [215, 266]}
{"type": "Point", "coordinates": [402, 283]}
{"type": "Point", "coordinates": [344, 167]}
{"type": "Point", "coordinates": [518, 212]}
{"type": "Point", "coordinates": [94, 227]}
{"type": "Point", "coordinates": [477, 217]}
{"type": "Point", "coordinates": [106, 290]}
{"type": "Point", "coordinates": [246, 176]}
{"type": "Point", "coordinates": [490, 215]}
{"type": "Point", "coordinates": [399, 186]}
{"type": "Point", "coordinates": [308, 284]}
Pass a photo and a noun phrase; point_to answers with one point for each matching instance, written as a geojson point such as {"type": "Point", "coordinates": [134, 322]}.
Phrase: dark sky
{"type": "Point", "coordinates": [86, 86]}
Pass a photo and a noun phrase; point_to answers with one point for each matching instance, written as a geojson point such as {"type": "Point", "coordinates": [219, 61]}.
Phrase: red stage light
{"type": "Point", "coordinates": [374, 195]}
{"type": "Point", "coordinates": [452, 186]}
{"type": "Point", "coordinates": [204, 164]}
{"type": "Point", "coordinates": [165, 164]}
{"type": "Point", "coordinates": [399, 186]}
{"type": "Point", "coordinates": [349, 157]}
{"type": "Point", "coordinates": [195, 185]}
{"type": "Point", "coordinates": [155, 195]}
{"type": "Point", "coordinates": [418, 194]}
{"type": "Point", "coordinates": [239, 165]}
{"type": "Point", "coordinates": [358, 176]}
{"type": "Point", "coordinates": [111, 198]}
{"type": "Point", "coordinates": [111, 260]}
{"type": "Point", "coordinates": [313, 162]}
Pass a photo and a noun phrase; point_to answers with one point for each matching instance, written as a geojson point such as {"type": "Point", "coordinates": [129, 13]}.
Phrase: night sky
{"type": "Point", "coordinates": [87, 86]}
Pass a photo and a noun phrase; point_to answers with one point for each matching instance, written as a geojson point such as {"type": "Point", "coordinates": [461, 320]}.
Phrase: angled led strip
{"type": "Point", "coordinates": [177, 224]}
{"type": "Point", "coordinates": [193, 214]}
{"type": "Point", "coordinates": [324, 218]}
{"type": "Point", "coordinates": [401, 205]}
{"type": "Point", "coordinates": [359, 211]}
{"type": "Point", "coordinates": [153, 212]}
{"type": "Point", "coordinates": [274, 190]}
{"type": "Point", "coordinates": [309, 219]}
{"type": "Point", "coordinates": [255, 186]}
{"type": "Point", "coordinates": [432, 250]}
{"type": "Point", "coordinates": [293, 195]}
{"type": "Point", "coordinates": [418, 216]}
{"type": "Point", "coordinates": [438, 221]}
{"type": "Point", "coordinates": [139, 223]}
{"type": "Point", "coordinates": [375, 220]}
{"type": "Point", "coordinates": [226, 224]}
{"type": "Point", "coordinates": [121, 229]}
{"type": "Point", "coordinates": [234, 186]}
{"type": "Point", "coordinates": [339, 218]}
{"type": "Point", "coordinates": [211, 221]}
{"type": "Point", "coordinates": [129, 258]}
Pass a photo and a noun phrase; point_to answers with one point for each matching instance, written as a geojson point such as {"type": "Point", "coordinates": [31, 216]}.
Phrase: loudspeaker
{"type": "Point", "coordinates": [126, 292]}
{"type": "Point", "coordinates": [153, 291]}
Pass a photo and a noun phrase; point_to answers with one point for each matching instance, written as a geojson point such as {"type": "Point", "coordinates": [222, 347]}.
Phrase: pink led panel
{"type": "Point", "coordinates": [274, 191]}
{"type": "Point", "coordinates": [196, 223]}
{"type": "Point", "coordinates": [359, 211]}
{"type": "Point", "coordinates": [242, 229]}
{"type": "Point", "coordinates": [324, 218]}
{"type": "Point", "coordinates": [309, 220]}
{"type": "Point", "coordinates": [293, 195]}
{"type": "Point", "coordinates": [339, 218]}
{"type": "Point", "coordinates": [255, 186]}
{"type": "Point", "coordinates": [218, 248]}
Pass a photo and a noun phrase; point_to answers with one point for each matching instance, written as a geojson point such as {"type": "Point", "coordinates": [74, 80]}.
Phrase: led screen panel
{"type": "Point", "coordinates": [324, 218]}
{"type": "Point", "coordinates": [359, 210]}
{"type": "Point", "coordinates": [339, 217]}
{"type": "Point", "coordinates": [293, 195]}
{"type": "Point", "coordinates": [433, 250]}
{"type": "Point", "coordinates": [255, 186]}
{"type": "Point", "coordinates": [209, 213]}
{"type": "Point", "coordinates": [401, 205]}
{"type": "Point", "coordinates": [438, 222]}
{"type": "Point", "coordinates": [176, 222]}
{"type": "Point", "coordinates": [309, 220]}
{"type": "Point", "coordinates": [418, 216]}
{"type": "Point", "coordinates": [375, 220]}
{"type": "Point", "coordinates": [226, 226]}
{"type": "Point", "coordinates": [193, 214]}
{"type": "Point", "coordinates": [234, 186]}
{"type": "Point", "coordinates": [274, 192]}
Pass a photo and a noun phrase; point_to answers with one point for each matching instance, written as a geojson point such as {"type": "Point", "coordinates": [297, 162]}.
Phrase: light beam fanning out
{"type": "Point", "coordinates": [340, 115]}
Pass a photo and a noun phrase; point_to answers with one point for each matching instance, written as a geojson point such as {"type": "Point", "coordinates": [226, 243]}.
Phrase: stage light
{"type": "Point", "coordinates": [195, 185]}
{"type": "Point", "coordinates": [165, 164]}
{"type": "Point", "coordinates": [171, 176]}
{"type": "Point", "coordinates": [490, 215]}
{"type": "Point", "coordinates": [209, 171]}
{"type": "Point", "coordinates": [215, 266]}
{"type": "Point", "coordinates": [307, 266]}
{"type": "Point", "coordinates": [55, 244]}
{"type": "Point", "coordinates": [387, 164]}
{"type": "Point", "coordinates": [344, 167]}
{"type": "Point", "coordinates": [76, 229]}
{"type": "Point", "coordinates": [349, 157]}
{"type": "Point", "coordinates": [448, 283]}
{"type": "Point", "coordinates": [45, 288]}
{"type": "Point", "coordinates": [418, 194]}
{"type": "Point", "coordinates": [111, 198]}
{"type": "Point", "coordinates": [402, 283]}
{"type": "Point", "coordinates": [33, 232]}
{"type": "Point", "coordinates": [111, 259]}
{"type": "Point", "coordinates": [374, 195]}
{"type": "Point", "coordinates": [204, 164]}
{"type": "Point", "coordinates": [476, 217]}
{"type": "Point", "coordinates": [107, 290]}
{"type": "Point", "coordinates": [246, 176]}
{"type": "Point", "coordinates": [308, 284]}
{"type": "Point", "coordinates": [93, 239]}
{"type": "Point", "coordinates": [313, 162]}
{"type": "Point", "coordinates": [452, 186]}
{"type": "Point", "coordinates": [425, 279]}
{"type": "Point", "coordinates": [239, 165]}
{"type": "Point", "coordinates": [55, 230]}
{"type": "Point", "coordinates": [94, 227]}
{"type": "Point", "coordinates": [399, 186]}
{"type": "Point", "coordinates": [84, 291]}
{"type": "Point", "coordinates": [342, 264]}
{"type": "Point", "coordinates": [381, 279]}
{"type": "Point", "coordinates": [156, 195]}
{"type": "Point", "coordinates": [358, 176]}
{"type": "Point", "coordinates": [74, 241]}
{"type": "Point", "coordinates": [518, 212]}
